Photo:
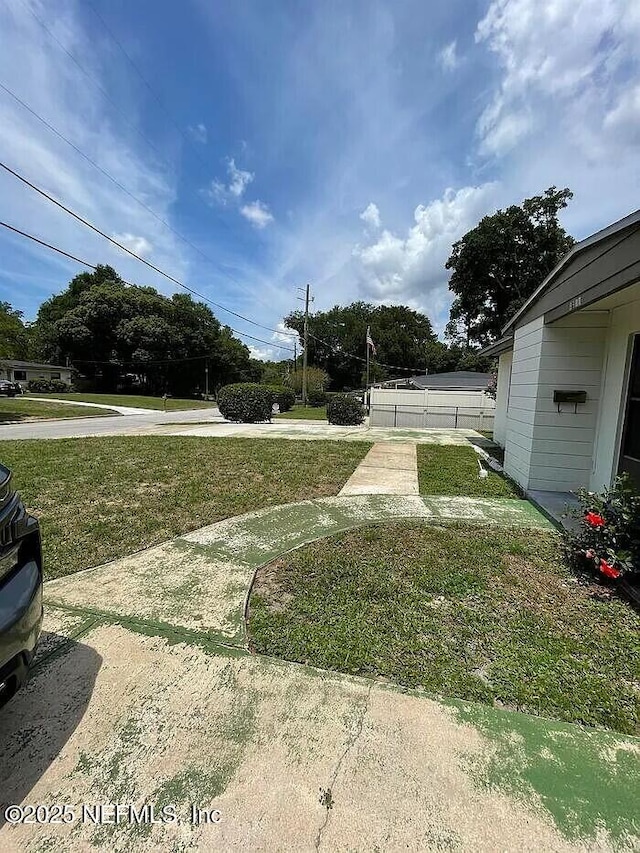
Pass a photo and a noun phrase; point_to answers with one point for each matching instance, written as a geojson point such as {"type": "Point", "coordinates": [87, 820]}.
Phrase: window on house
{"type": "Point", "coordinates": [20, 375]}
{"type": "Point", "coordinates": [55, 376]}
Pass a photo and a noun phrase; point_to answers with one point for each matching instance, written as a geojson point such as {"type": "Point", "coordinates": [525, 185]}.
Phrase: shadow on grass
{"type": "Point", "coordinates": [13, 417]}
{"type": "Point", "coordinates": [37, 723]}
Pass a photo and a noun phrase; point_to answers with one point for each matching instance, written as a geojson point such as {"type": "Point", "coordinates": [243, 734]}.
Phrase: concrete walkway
{"type": "Point", "coordinates": [214, 566]}
{"type": "Point", "coordinates": [387, 469]}
{"type": "Point", "coordinates": [145, 693]}
{"type": "Point", "coordinates": [122, 410]}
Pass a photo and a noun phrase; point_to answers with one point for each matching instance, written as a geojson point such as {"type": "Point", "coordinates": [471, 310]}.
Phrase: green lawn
{"type": "Point", "coordinates": [466, 612]}
{"type": "Point", "coordinates": [309, 413]}
{"type": "Point", "coordinates": [102, 498]}
{"type": "Point", "coordinates": [21, 409]}
{"type": "Point", "coordinates": [173, 405]}
{"type": "Point", "coordinates": [452, 470]}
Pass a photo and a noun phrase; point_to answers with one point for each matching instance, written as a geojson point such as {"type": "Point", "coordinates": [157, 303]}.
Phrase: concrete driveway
{"type": "Point", "coordinates": [145, 694]}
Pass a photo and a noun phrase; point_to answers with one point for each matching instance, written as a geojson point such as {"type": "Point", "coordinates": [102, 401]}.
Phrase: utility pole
{"type": "Point", "coordinates": [307, 299]}
{"type": "Point", "coordinates": [206, 379]}
{"type": "Point", "coordinates": [295, 355]}
{"type": "Point", "coordinates": [368, 338]}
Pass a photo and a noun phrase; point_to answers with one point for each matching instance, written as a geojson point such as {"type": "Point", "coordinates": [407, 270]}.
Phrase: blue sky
{"type": "Point", "coordinates": [347, 144]}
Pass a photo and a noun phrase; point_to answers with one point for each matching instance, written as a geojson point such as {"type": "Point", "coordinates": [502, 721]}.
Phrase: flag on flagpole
{"type": "Point", "coordinates": [370, 342]}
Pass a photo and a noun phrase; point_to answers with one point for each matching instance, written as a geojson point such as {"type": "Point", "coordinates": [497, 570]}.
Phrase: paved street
{"type": "Point", "coordinates": [147, 421]}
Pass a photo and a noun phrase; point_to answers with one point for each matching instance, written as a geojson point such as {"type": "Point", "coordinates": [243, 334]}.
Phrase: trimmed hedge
{"type": "Point", "coordinates": [245, 402]}
{"type": "Point", "coordinates": [345, 411]}
{"type": "Point", "coordinates": [283, 396]}
{"type": "Point", "coordinates": [316, 397]}
{"type": "Point", "coordinates": [48, 386]}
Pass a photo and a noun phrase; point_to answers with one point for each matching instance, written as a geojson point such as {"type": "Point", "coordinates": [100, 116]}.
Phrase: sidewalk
{"type": "Point", "coordinates": [150, 696]}
{"type": "Point", "coordinates": [387, 469]}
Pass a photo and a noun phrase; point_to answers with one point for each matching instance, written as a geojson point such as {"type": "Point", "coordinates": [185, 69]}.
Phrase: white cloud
{"type": "Point", "coordinates": [623, 120]}
{"type": "Point", "coordinates": [559, 57]}
{"type": "Point", "coordinates": [448, 57]}
{"type": "Point", "coordinates": [140, 245]}
{"type": "Point", "coordinates": [262, 353]}
{"type": "Point", "coordinates": [257, 213]}
{"type": "Point", "coordinates": [371, 215]}
{"type": "Point", "coordinates": [411, 268]}
{"type": "Point", "coordinates": [239, 179]}
{"type": "Point", "coordinates": [198, 132]}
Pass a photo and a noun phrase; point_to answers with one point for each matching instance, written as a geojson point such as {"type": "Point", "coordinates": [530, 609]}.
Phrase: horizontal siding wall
{"type": "Point", "coordinates": [525, 366]}
{"type": "Point", "coordinates": [562, 442]}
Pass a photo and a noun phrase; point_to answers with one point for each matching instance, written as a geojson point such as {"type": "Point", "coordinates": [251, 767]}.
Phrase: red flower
{"type": "Point", "coordinates": [608, 570]}
{"type": "Point", "coordinates": [594, 519]}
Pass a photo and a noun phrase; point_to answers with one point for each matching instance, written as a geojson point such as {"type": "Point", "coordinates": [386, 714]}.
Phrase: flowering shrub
{"type": "Point", "coordinates": [608, 539]}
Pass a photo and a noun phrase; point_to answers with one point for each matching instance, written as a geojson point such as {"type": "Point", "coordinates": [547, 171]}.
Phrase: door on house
{"type": "Point", "coordinates": [630, 450]}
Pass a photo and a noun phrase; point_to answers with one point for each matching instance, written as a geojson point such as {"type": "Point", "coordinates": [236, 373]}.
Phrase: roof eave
{"type": "Point", "coordinates": [593, 239]}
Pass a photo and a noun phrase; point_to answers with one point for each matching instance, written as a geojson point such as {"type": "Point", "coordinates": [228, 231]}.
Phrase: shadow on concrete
{"type": "Point", "coordinates": [37, 723]}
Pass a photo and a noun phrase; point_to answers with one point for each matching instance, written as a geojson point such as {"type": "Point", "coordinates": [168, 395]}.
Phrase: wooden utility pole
{"type": "Point", "coordinates": [307, 298]}
{"type": "Point", "coordinates": [367, 339]}
{"type": "Point", "coordinates": [206, 379]}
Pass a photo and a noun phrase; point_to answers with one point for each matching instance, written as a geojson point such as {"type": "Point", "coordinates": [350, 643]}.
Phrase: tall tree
{"type": "Point", "coordinates": [16, 339]}
{"type": "Point", "coordinates": [499, 263]}
{"type": "Point", "coordinates": [107, 328]}
{"type": "Point", "coordinates": [400, 334]}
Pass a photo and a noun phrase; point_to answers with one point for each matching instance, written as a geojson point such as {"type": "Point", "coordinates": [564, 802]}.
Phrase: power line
{"type": "Point", "coordinates": [148, 85]}
{"type": "Point", "coordinates": [104, 92]}
{"type": "Point", "coordinates": [95, 82]}
{"type": "Point", "coordinates": [130, 284]}
{"type": "Point", "coordinates": [360, 358]}
{"type": "Point", "coordinates": [142, 204]}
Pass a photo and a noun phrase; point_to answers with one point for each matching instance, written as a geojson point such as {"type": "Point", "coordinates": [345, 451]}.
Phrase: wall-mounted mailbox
{"type": "Point", "coordinates": [571, 397]}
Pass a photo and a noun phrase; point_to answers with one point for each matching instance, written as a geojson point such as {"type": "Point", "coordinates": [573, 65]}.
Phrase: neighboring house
{"type": "Point", "coordinates": [457, 380]}
{"type": "Point", "coordinates": [442, 400]}
{"type": "Point", "coordinates": [23, 371]}
{"type": "Point", "coordinates": [568, 391]}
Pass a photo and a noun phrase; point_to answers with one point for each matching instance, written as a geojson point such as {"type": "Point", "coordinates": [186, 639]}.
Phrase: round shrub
{"type": "Point", "coordinates": [316, 397]}
{"type": "Point", "coordinates": [284, 397]}
{"type": "Point", "coordinates": [47, 386]}
{"type": "Point", "coordinates": [345, 411]}
{"type": "Point", "coordinates": [245, 403]}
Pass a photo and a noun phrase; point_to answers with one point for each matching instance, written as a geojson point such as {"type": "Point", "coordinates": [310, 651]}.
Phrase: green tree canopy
{"type": "Point", "coordinates": [499, 263]}
{"type": "Point", "coordinates": [400, 334]}
{"type": "Point", "coordinates": [16, 339]}
{"type": "Point", "coordinates": [106, 328]}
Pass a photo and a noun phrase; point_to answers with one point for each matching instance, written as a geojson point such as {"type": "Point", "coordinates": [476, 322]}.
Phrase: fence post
{"type": "Point", "coordinates": [395, 415]}
{"type": "Point", "coordinates": [456, 423]}
{"type": "Point", "coordinates": [480, 426]}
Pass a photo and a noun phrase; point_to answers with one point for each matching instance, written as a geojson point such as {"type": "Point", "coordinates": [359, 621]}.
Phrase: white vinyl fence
{"type": "Point", "coordinates": [431, 409]}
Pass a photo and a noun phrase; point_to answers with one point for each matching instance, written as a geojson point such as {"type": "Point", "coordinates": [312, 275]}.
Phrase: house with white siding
{"type": "Point", "coordinates": [568, 391]}
{"type": "Point", "coordinates": [24, 371]}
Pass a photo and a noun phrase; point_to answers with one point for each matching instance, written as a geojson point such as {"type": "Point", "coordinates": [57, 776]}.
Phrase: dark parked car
{"type": "Point", "coordinates": [20, 588]}
{"type": "Point", "coordinates": [10, 389]}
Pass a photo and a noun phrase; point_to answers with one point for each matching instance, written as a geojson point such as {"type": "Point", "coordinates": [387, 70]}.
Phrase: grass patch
{"type": "Point", "coordinates": [307, 413]}
{"type": "Point", "coordinates": [452, 470]}
{"type": "Point", "coordinates": [138, 402]}
{"type": "Point", "coordinates": [18, 409]}
{"type": "Point", "coordinates": [467, 612]}
{"type": "Point", "coordinates": [102, 498]}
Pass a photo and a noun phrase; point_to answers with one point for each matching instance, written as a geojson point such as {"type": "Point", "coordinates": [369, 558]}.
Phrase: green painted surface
{"type": "Point", "coordinates": [587, 779]}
